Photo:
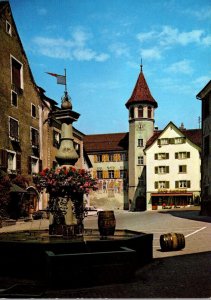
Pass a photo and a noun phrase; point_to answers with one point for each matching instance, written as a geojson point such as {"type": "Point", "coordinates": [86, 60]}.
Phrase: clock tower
{"type": "Point", "coordinates": [141, 106]}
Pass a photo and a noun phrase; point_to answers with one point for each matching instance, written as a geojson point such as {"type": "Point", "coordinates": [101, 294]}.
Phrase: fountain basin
{"type": "Point", "coordinates": [83, 260]}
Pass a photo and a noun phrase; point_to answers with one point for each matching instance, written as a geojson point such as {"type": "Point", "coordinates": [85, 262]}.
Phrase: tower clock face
{"type": "Point", "coordinates": [140, 126]}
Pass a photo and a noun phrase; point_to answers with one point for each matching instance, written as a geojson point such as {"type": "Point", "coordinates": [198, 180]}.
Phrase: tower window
{"type": "Point", "coordinates": [132, 112]}
{"type": "Point", "coordinates": [140, 112]}
{"type": "Point", "coordinates": [140, 143]}
{"type": "Point", "coordinates": [140, 160]}
{"type": "Point", "coordinates": [149, 111]}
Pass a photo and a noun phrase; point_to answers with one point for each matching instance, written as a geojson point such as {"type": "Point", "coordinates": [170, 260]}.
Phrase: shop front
{"type": "Point", "coordinates": [163, 200]}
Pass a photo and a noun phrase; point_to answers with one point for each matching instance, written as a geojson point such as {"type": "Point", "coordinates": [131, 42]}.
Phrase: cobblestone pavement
{"type": "Point", "coordinates": [176, 276]}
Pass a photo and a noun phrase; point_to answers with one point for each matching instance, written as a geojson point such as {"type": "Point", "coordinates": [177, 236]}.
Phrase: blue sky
{"type": "Point", "coordinates": [101, 43]}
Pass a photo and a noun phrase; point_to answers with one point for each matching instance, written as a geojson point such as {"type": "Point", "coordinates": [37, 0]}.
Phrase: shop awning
{"type": "Point", "coordinates": [171, 194]}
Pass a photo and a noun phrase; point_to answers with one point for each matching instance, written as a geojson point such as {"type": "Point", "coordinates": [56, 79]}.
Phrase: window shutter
{"type": "Point", "coordinates": [94, 174]}
{"type": "Point", "coordinates": [29, 165]}
{"type": "Point", "coordinates": [3, 159]}
{"type": "Point", "coordinates": [172, 141]}
{"type": "Point", "coordinates": [176, 184]}
{"type": "Point", "coordinates": [167, 169]}
{"type": "Point", "coordinates": [167, 184]}
{"type": "Point", "coordinates": [156, 185]}
{"type": "Point", "coordinates": [95, 158]}
{"type": "Point", "coordinates": [188, 183]}
{"type": "Point", "coordinates": [116, 174]}
{"type": "Point", "coordinates": [105, 174]}
{"type": "Point", "coordinates": [176, 155]}
{"type": "Point", "coordinates": [156, 156]}
{"type": "Point", "coordinates": [167, 155]}
{"type": "Point", "coordinates": [156, 170]}
{"type": "Point", "coordinates": [188, 154]}
{"type": "Point", "coordinates": [18, 162]}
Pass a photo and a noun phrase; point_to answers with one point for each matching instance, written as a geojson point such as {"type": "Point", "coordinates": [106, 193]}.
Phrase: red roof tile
{"type": "Point", "coordinates": [141, 93]}
{"type": "Point", "coordinates": [106, 142]}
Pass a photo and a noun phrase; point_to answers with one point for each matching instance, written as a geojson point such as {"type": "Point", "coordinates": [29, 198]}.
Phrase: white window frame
{"type": "Point", "coordinates": [14, 92]}
{"type": "Point", "coordinates": [11, 170]}
{"type": "Point", "coordinates": [31, 135]}
{"type": "Point", "coordinates": [33, 171]}
{"type": "Point", "coordinates": [10, 28]}
{"type": "Point", "coordinates": [12, 138]}
{"type": "Point", "coordinates": [140, 160]}
{"type": "Point", "coordinates": [21, 71]}
{"type": "Point", "coordinates": [140, 143]}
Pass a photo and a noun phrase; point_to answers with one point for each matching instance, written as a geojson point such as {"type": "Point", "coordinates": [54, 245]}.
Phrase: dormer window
{"type": "Point", "coordinates": [8, 28]}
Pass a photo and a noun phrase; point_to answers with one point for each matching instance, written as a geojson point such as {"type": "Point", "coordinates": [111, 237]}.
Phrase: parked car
{"type": "Point", "coordinates": [40, 214]}
{"type": "Point", "coordinates": [92, 211]}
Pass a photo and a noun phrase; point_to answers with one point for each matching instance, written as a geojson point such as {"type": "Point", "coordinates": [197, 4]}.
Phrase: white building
{"type": "Point", "coordinates": [173, 167]}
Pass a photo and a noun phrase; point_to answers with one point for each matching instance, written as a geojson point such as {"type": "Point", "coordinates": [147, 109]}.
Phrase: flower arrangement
{"type": "Point", "coordinates": [65, 181]}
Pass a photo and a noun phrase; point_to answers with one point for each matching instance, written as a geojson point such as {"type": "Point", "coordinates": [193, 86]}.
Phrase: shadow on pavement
{"type": "Point", "coordinates": [183, 276]}
{"type": "Point", "coordinates": [188, 214]}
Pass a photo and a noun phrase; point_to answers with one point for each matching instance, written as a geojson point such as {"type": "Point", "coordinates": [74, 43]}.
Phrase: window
{"type": "Point", "coordinates": [34, 165]}
{"type": "Point", "coordinates": [163, 141]}
{"type": "Point", "coordinates": [34, 137]}
{"type": "Point", "coordinates": [182, 155]}
{"type": "Point", "coordinates": [206, 145]}
{"type": "Point", "coordinates": [123, 156]}
{"type": "Point", "coordinates": [8, 28]}
{"type": "Point", "coordinates": [179, 140]}
{"type": "Point", "coordinates": [17, 74]}
{"type": "Point", "coordinates": [161, 184]}
{"type": "Point", "coordinates": [140, 143]}
{"type": "Point", "coordinates": [123, 173]}
{"type": "Point", "coordinates": [161, 156]}
{"type": "Point", "coordinates": [77, 147]}
{"type": "Point", "coordinates": [56, 139]}
{"type": "Point", "coordinates": [182, 184]}
{"type": "Point", "coordinates": [99, 174]}
{"type": "Point", "coordinates": [140, 160]}
{"type": "Point", "coordinates": [183, 169]}
{"type": "Point", "coordinates": [13, 129]}
{"type": "Point", "coordinates": [111, 174]}
{"type": "Point", "coordinates": [11, 158]}
{"type": "Point", "coordinates": [99, 158]}
{"type": "Point", "coordinates": [110, 157]}
{"type": "Point", "coordinates": [132, 112]}
{"type": "Point", "coordinates": [14, 98]}
{"type": "Point", "coordinates": [162, 170]}
{"type": "Point", "coordinates": [140, 112]}
{"type": "Point", "coordinates": [149, 112]}
{"type": "Point", "coordinates": [33, 111]}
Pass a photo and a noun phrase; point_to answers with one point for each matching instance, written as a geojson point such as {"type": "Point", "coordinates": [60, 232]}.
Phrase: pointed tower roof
{"type": "Point", "coordinates": [141, 93]}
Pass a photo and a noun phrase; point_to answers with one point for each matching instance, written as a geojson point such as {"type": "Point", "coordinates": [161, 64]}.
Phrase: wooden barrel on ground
{"type": "Point", "coordinates": [106, 222]}
{"type": "Point", "coordinates": [172, 241]}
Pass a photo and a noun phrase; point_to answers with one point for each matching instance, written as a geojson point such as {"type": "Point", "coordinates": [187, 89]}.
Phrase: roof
{"type": "Point", "coordinates": [206, 89]}
{"type": "Point", "coordinates": [106, 142]}
{"type": "Point", "coordinates": [194, 135]}
{"type": "Point", "coordinates": [141, 93]}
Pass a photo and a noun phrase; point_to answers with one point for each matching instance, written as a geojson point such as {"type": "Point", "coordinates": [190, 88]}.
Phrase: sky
{"type": "Point", "coordinates": [101, 43]}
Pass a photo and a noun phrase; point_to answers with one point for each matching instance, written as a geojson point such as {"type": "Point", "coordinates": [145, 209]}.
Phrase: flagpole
{"type": "Point", "coordinates": [65, 80]}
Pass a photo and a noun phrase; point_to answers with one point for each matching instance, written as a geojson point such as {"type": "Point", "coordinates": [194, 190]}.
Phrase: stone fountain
{"type": "Point", "coordinates": [67, 254]}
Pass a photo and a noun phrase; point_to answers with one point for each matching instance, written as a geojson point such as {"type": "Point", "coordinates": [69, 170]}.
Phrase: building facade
{"type": "Point", "coordinates": [205, 96]}
{"type": "Point", "coordinates": [173, 168]}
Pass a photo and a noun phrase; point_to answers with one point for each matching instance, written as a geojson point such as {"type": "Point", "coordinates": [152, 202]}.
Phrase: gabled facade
{"type": "Point", "coordinates": [205, 96]}
{"type": "Point", "coordinates": [20, 103]}
{"type": "Point", "coordinates": [173, 167]}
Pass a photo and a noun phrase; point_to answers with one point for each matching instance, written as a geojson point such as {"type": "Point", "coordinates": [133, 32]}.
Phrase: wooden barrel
{"type": "Point", "coordinates": [106, 222]}
{"type": "Point", "coordinates": [172, 241]}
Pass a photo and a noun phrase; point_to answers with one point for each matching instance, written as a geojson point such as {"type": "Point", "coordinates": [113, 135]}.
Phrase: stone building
{"type": "Point", "coordinates": [29, 139]}
{"type": "Point", "coordinates": [205, 96]}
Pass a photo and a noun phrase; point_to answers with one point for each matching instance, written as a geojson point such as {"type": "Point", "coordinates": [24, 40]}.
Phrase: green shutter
{"type": "Point", "coordinates": [156, 156]}
{"type": "Point", "coordinates": [156, 185]}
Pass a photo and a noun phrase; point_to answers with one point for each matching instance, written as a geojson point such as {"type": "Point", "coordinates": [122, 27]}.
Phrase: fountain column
{"type": "Point", "coordinates": [66, 156]}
